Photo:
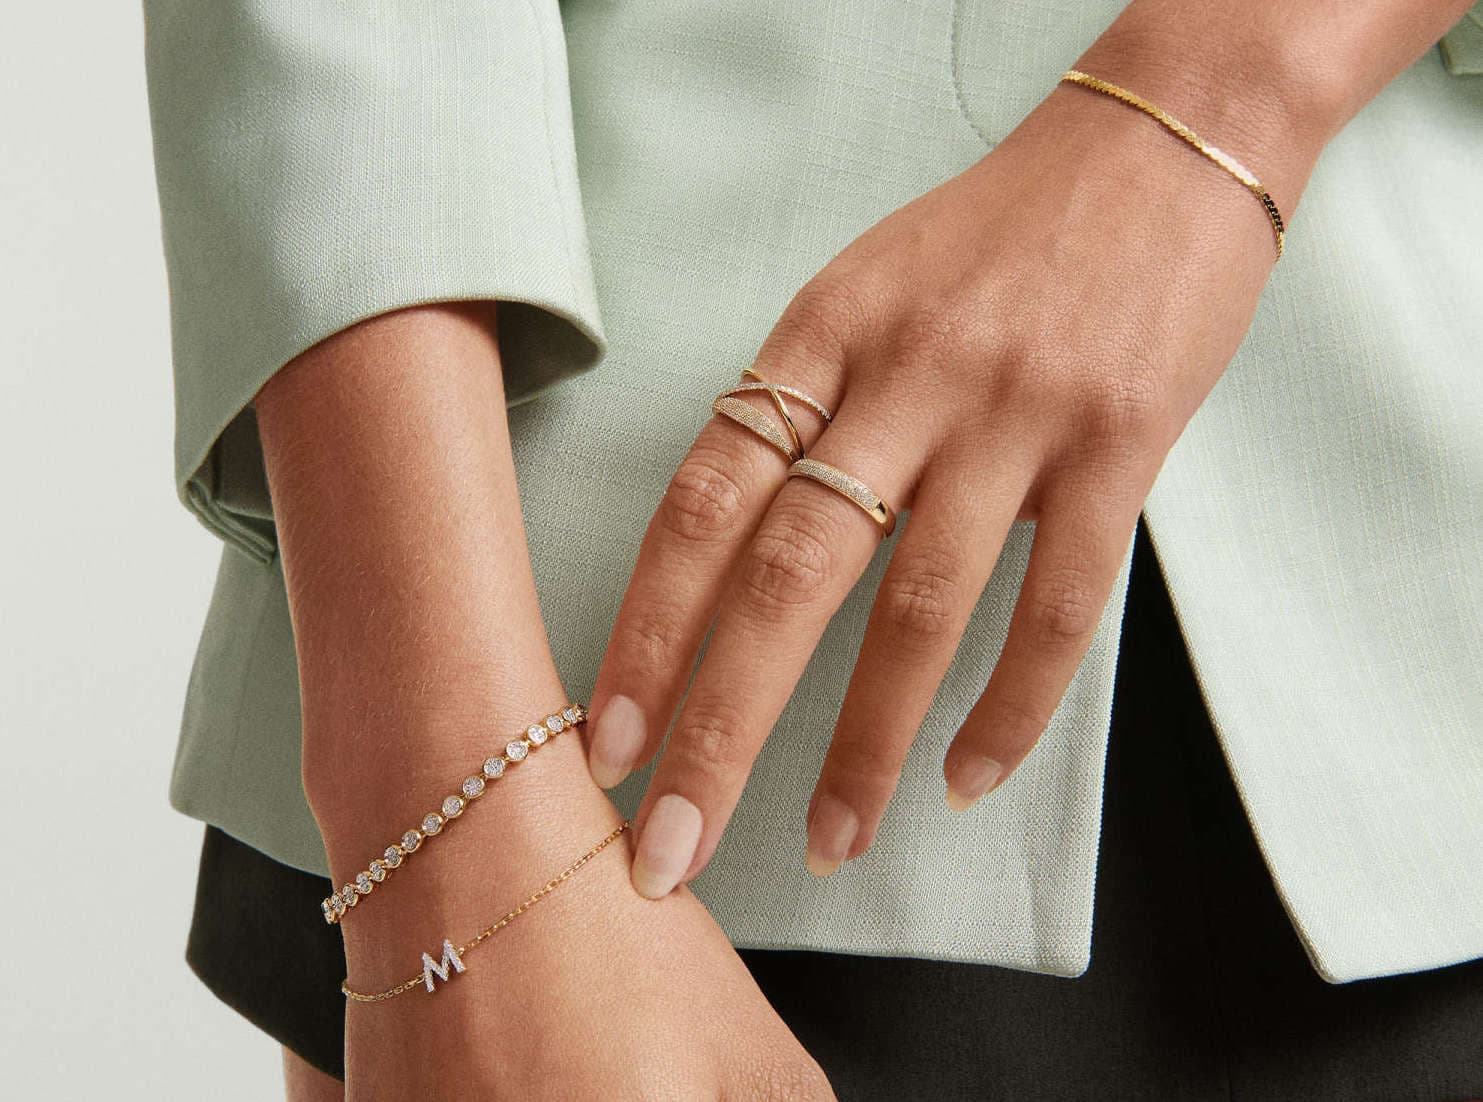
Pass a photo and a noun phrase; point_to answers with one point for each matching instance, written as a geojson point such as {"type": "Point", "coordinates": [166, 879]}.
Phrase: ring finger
{"type": "Point", "coordinates": [808, 551]}
{"type": "Point", "coordinates": [703, 523]}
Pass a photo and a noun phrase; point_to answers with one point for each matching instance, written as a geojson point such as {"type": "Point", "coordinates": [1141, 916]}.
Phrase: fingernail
{"type": "Point", "coordinates": [617, 741]}
{"type": "Point", "coordinates": [971, 778]}
{"type": "Point", "coordinates": [830, 835]}
{"type": "Point", "coordinates": [666, 847]}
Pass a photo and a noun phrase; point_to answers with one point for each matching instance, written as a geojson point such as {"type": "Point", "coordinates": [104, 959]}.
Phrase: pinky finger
{"type": "Point", "coordinates": [1075, 558]}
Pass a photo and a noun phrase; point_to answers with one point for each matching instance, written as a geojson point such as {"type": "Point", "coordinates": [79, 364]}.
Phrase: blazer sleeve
{"type": "Point", "coordinates": [1462, 46]}
{"type": "Point", "coordinates": [319, 163]}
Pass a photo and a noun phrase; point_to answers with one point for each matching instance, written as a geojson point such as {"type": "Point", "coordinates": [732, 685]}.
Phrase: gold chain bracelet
{"type": "Point", "coordinates": [452, 958]}
{"type": "Point", "coordinates": [1220, 157]}
{"type": "Point", "coordinates": [434, 822]}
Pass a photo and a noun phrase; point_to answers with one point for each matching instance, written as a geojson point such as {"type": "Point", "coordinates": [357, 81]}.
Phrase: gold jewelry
{"type": "Point", "coordinates": [1220, 157]}
{"type": "Point", "coordinates": [452, 957]}
{"type": "Point", "coordinates": [847, 486]}
{"type": "Point", "coordinates": [779, 388]}
{"type": "Point", "coordinates": [749, 417]}
{"type": "Point", "coordinates": [757, 423]}
{"type": "Point", "coordinates": [782, 407]}
{"type": "Point", "coordinates": [434, 822]}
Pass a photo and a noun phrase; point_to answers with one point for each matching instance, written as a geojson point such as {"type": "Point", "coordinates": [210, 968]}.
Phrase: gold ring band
{"type": "Point", "coordinates": [848, 487]}
{"type": "Point", "coordinates": [779, 388]}
{"type": "Point", "coordinates": [733, 408]}
{"type": "Point", "coordinates": [750, 417]}
{"type": "Point", "coordinates": [782, 408]}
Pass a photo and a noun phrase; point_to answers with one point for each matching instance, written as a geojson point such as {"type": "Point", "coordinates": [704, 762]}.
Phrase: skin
{"type": "Point", "coordinates": [1045, 323]}
{"type": "Point", "coordinates": [1024, 342]}
{"type": "Point", "coordinates": [420, 646]}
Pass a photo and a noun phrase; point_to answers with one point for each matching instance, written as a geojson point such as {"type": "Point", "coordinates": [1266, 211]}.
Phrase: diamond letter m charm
{"type": "Point", "coordinates": [432, 968]}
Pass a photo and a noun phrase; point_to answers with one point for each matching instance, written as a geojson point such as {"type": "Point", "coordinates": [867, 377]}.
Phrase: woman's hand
{"type": "Point", "coordinates": [593, 993]}
{"type": "Point", "coordinates": [420, 648]}
{"type": "Point", "coordinates": [1024, 342]}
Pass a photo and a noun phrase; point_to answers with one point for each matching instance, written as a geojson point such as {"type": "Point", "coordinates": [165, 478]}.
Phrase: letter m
{"type": "Point", "coordinates": [431, 968]}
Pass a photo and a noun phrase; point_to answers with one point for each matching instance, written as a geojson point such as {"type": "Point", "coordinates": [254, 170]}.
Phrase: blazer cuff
{"type": "Point", "coordinates": [318, 164]}
{"type": "Point", "coordinates": [1462, 46]}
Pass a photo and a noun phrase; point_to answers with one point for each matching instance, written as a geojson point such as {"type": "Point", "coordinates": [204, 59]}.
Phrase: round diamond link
{"type": "Point", "coordinates": [472, 787]}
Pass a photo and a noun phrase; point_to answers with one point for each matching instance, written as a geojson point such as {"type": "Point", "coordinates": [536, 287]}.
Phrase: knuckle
{"type": "Point", "coordinates": [834, 302]}
{"type": "Point", "coordinates": [787, 563]}
{"type": "Point", "coordinates": [711, 739]}
{"type": "Point", "coordinates": [919, 602]}
{"type": "Point", "coordinates": [1119, 409]}
{"type": "Point", "coordinates": [1019, 723]}
{"type": "Point", "coordinates": [1064, 611]}
{"type": "Point", "coordinates": [703, 502]}
{"type": "Point", "coordinates": [647, 639]}
{"type": "Point", "coordinates": [933, 335]}
{"type": "Point", "coordinates": [862, 766]}
{"type": "Point", "coordinates": [779, 1077]}
{"type": "Point", "coordinates": [819, 321]}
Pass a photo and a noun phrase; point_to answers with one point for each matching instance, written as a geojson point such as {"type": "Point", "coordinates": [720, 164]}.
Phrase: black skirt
{"type": "Point", "coordinates": [1198, 986]}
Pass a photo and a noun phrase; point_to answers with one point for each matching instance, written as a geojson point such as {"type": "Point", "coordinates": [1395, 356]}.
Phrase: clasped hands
{"type": "Point", "coordinates": [1024, 342]}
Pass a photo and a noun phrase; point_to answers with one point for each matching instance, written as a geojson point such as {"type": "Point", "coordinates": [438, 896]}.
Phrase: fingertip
{"type": "Point", "coordinates": [831, 834]}
{"type": "Point", "coordinates": [618, 735]}
{"type": "Point", "coordinates": [666, 847]}
{"type": "Point", "coordinates": [970, 778]}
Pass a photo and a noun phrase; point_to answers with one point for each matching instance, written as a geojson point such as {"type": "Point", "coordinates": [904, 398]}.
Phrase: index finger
{"type": "Point", "coordinates": [808, 552]}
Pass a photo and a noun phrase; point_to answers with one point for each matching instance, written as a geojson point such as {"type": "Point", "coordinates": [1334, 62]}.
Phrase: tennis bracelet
{"type": "Point", "coordinates": [435, 822]}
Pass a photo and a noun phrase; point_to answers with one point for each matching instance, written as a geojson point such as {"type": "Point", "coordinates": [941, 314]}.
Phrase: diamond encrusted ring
{"type": "Point", "coordinates": [849, 487]}
{"type": "Point", "coordinates": [758, 423]}
{"type": "Point", "coordinates": [435, 822]}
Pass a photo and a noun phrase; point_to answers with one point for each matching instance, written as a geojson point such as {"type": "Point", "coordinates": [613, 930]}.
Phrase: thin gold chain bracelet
{"type": "Point", "coordinates": [435, 822]}
{"type": "Point", "coordinates": [451, 962]}
{"type": "Point", "coordinates": [1219, 156]}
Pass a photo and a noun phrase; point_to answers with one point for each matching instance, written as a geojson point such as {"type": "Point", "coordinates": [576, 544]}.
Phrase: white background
{"type": "Point", "coordinates": [104, 580]}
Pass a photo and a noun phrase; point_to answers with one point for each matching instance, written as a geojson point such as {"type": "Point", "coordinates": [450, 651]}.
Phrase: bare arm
{"type": "Point", "coordinates": [421, 650]}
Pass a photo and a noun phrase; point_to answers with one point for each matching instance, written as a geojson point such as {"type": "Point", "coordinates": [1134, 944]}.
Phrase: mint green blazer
{"type": "Point", "coordinates": [644, 185]}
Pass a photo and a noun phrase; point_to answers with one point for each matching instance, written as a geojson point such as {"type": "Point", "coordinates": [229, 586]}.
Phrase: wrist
{"type": "Point", "coordinates": [1267, 98]}
{"type": "Point", "coordinates": [534, 820]}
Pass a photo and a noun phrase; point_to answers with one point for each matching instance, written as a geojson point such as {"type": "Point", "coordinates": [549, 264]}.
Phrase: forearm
{"type": "Point", "coordinates": [1269, 81]}
{"type": "Point", "coordinates": [419, 636]}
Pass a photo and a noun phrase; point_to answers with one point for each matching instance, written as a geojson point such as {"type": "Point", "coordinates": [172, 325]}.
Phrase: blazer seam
{"type": "Point", "coordinates": [956, 71]}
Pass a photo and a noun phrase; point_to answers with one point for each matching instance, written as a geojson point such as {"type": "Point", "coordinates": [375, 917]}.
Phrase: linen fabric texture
{"type": "Point", "coordinates": [1319, 522]}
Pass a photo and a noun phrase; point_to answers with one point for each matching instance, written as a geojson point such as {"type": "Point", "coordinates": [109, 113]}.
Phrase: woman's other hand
{"type": "Point", "coordinates": [1024, 342]}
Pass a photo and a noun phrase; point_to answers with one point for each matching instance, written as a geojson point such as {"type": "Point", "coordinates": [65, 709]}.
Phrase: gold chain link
{"type": "Point", "coordinates": [1219, 156]}
{"type": "Point", "coordinates": [489, 931]}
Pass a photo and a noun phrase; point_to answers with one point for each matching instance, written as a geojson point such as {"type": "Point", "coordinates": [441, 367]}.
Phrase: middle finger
{"type": "Point", "coordinates": [809, 550]}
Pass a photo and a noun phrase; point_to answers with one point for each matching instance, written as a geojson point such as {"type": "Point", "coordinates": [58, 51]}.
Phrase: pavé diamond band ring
{"type": "Point", "coordinates": [730, 406]}
{"type": "Point", "coordinates": [849, 487]}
